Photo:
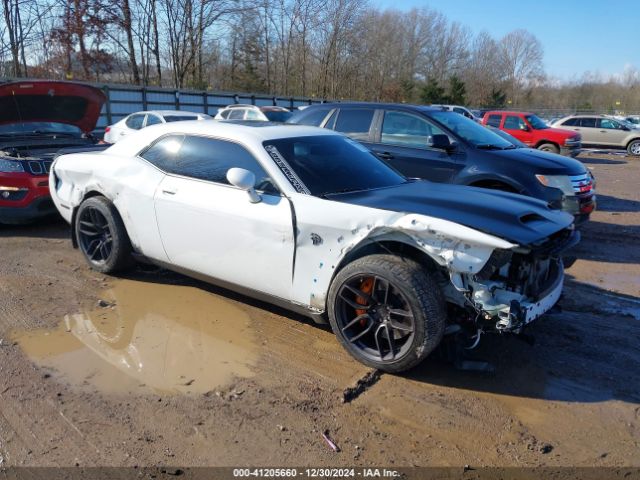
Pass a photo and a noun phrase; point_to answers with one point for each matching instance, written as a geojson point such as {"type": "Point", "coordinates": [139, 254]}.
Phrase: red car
{"type": "Point", "coordinates": [37, 119]}
{"type": "Point", "coordinates": [534, 132]}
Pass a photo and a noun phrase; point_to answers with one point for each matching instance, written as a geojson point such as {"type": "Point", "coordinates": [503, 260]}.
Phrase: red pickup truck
{"type": "Point", "coordinates": [534, 132]}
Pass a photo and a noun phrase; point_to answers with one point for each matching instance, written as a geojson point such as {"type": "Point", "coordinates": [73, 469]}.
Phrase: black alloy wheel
{"type": "Point", "coordinates": [387, 311]}
{"type": "Point", "coordinates": [94, 235]}
{"type": "Point", "coordinates": [374, 316]}
{"type": "Point", "coordinates": [102, 236]}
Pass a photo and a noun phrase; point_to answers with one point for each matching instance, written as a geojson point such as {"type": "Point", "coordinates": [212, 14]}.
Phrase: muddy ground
{"type": "Point", "coordinates": [158, 369]}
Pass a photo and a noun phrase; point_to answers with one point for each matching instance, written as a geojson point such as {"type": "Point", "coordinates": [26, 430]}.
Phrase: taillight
{"type": "Point", "coordinates": [107, 130]}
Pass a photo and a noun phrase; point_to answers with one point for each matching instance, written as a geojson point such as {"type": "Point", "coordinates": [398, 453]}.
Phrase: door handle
{"type": "Point", "coordinates": [169, 192]}
{"type": "Point", "coordinates": [603, 131]}
{"type": "Point", "coordinates": [385, 155]}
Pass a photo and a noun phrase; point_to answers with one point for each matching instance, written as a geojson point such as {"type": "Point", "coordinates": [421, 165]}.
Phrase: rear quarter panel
{"type": "Point", "coordinates": [128, 182]}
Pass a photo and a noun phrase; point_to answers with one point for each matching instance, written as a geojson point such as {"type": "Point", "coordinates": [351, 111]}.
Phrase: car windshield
{"type": "Point", "coordinates": [536, 122]}
{"type": "Point", "coordinates": [30, 128]}
{"type": "Point", "coordinates": [331, 164]}
{"type": "Point", "coordinates": [471, 131]}
{"type": "Point", "coordinates": [179, 118]}
{"type": "Point", "coordinates": [275, 116]}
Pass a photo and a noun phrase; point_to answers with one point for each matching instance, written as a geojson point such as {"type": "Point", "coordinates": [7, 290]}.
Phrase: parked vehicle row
{"type": "Point", "coordinates": [359, 224]}
{"type": "Point", "coordinates": [139, 120]}
{"type": "Point", "coordinates": [443, 146]}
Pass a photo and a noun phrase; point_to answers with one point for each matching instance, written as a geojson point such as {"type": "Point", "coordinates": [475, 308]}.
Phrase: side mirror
{"type": "Point", "coordinates": [524, 128]}
{"type": "Point", "coordinates": [245, 180]}
{"type": "Point", "coordinates": [440, 142]}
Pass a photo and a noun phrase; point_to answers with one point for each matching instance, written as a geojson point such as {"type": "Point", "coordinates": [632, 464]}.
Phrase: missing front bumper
{"type": "Point", "coordinates": [521, 313]}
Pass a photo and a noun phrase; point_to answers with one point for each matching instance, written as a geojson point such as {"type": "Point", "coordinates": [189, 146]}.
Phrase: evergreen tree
{"type": "Point", "coordinates": [457, 91]}
{"type": "Point", "coordinates": [497, 99]}
{"type": "Point", "coordinates": [432, 92]}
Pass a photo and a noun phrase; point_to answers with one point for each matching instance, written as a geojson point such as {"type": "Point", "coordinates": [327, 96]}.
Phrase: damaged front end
{"type": "Point", "coordinates": [515, 286]}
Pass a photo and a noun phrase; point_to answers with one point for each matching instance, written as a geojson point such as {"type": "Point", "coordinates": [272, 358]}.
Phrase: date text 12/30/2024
{"type": "Point", "coordinates": [315, 472]}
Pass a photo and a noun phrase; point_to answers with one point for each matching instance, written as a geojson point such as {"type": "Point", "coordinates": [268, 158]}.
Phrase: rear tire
{"type": "Point", "coordinates": [549, 147]}
{"type": "Point", "coordinates": [634, 147]}
{"type": "Point", "coordinates": [387, 312]}
{"type": "Point", "coordinates": [102, 236]}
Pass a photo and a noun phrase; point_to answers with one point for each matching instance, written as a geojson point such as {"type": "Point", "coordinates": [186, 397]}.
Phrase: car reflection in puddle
{"type": "Point", "coordinates": [165, 338]}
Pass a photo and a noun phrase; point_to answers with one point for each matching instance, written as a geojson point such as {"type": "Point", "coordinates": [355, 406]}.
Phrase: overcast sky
{"type": "Point", "coordinates": [577, 35]}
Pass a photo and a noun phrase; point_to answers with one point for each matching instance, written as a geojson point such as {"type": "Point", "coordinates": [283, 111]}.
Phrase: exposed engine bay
{"type": "Point", "coordinates": [514, 287]}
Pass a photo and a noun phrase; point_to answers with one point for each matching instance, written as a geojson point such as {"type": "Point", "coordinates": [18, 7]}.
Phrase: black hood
{"type": "Point", "coordinates": [543, 162]}
{"type": "Point", "coordinates": [516, 218]}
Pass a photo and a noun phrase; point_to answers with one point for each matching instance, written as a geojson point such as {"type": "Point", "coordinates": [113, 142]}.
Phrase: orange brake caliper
{"type": "Point", "coordinates": [366, 287]}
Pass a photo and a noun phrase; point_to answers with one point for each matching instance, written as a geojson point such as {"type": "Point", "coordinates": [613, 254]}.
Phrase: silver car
{"type": "Point", "coordinates": [603, 131]}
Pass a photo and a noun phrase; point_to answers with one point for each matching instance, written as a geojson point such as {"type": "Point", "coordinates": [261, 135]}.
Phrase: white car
{"type": "Point", "coordinates": [308, 219]}
{"type": "Point", "coordinates": [459, 109]}
{"type": "Point", "coordinates": [252, 112]}
{"type": "Point", "coordinates": [139, 120]}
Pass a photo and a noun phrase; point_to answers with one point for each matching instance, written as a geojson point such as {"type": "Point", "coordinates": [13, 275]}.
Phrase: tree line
{"type": "Point", "coordinates": [334, 49]}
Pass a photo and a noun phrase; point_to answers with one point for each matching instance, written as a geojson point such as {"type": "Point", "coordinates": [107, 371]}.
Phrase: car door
{"type": "Point", "coordinates": [571, 124]}
{"type": "Point", "coordinates": [353, 122]}
{"type": "Point", "coordinates": [517, 127]}
{"type": "Point", "coordinates": [611, 132]}
{"type": "Point", "coordinates": [402, 142]}
{"type": "Point", "coordinates": [210, 227]}
{"type": "Point", "coordinates": [588, 130]}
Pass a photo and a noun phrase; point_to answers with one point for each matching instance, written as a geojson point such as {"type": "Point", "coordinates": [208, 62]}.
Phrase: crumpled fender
{"type": "Point", "coordinates": [458, 248]}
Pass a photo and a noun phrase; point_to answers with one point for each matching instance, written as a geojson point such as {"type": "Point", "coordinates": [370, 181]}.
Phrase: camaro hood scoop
{"type": "Point", "coordinates": [44, 101]}
{"type": "Point", "coordinates": [510, 216]}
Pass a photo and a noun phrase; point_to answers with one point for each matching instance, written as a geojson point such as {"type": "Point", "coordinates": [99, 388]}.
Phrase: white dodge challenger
{"type": "Point", "coordinates": [306, 218]}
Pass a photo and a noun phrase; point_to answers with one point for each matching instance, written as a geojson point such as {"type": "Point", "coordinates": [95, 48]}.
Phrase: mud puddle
{"type": "Point", "coordinates": [162, 338]}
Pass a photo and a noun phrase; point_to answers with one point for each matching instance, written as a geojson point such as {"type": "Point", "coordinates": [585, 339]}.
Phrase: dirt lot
{"type": "Point", "coordinates": [158, 369]}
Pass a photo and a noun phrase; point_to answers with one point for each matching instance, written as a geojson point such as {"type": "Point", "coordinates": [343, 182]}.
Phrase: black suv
{"type": "Point", "coordinates": [443, 146]}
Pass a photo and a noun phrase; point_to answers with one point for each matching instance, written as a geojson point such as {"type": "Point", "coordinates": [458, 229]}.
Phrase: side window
{"type": "Point", "coordinates": [135, 121]}
{"type": "Point", "coordinates": [152, 120]}
{"type": "Point", "coordinates": [610, 124]}
{"type": "Point", "coordinates": [164, 153]}
{"type": "Point", "coordinates": [236, 114]}
{"type": "Point", "coordinates": [572, 122]}
{"type": "Point", "coordinates": [355, 122]}
{"type": "Point", "coordinates": [313, 117]}
{"type": "Point", "coordinates": [225, 113]}
{"type": "Point", "coordinates": [588, 122]}
{"type": "Point", "coordinates": [407, 130]}
{"type": "Point", "coordinates": [513, 123]}
{"type": "Point", "coordinates": [494, 120]}
{"type": "Point", "coordinates": [253, 115]}
{"type": "Point", "coordinates": [210, 159]}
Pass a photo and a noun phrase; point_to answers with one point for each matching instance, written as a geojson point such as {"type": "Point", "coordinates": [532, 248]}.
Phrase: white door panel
{"type": "Point", "coordinates": [213, 229]}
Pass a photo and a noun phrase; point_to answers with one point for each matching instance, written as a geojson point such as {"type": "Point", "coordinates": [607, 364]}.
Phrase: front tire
{"type": "Point", "coordinates": [549, 147]}
{"type": "Point", "coordinates": [102, 237]}
{"type": "Point", "coordinates": [634, 147]}
{"type": "Point", "coordinates": [387, 312]}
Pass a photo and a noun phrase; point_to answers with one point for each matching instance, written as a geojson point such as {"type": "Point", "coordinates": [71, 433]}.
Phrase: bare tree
{"type": "Point", "coordinates": [521, 57]}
